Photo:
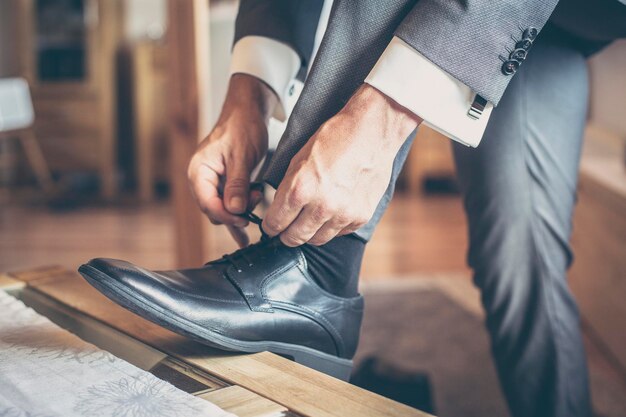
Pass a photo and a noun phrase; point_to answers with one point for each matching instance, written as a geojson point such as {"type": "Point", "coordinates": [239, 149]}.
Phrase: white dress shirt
{"type": "Point", "coordinates": [401, 73]}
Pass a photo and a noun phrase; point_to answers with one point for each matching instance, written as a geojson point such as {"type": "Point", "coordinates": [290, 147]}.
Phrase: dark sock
{"type": "Point", "coordinates": [335, 266]}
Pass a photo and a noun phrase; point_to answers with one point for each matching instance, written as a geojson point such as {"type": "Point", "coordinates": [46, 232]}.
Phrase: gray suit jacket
{"type": "Point", "coordinates": [469, 39]}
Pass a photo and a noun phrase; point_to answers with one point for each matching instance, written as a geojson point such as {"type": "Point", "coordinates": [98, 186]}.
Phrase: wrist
{"type": "Point", "coordinates": [249, 95]}
{"type": "Point", "coordinates": [395, 123]}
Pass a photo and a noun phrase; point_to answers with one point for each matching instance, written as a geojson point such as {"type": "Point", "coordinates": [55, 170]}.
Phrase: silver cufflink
{"type": "Point", "coordinates": [477, 107]}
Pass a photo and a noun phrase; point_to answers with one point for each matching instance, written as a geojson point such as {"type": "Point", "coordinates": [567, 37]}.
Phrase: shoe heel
{"type": "Point", "coordinates": [330, 365]}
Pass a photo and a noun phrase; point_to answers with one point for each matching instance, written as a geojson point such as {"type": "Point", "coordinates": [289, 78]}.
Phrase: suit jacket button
{"type": "Point", "coordinates": [518, 54]}
{"type": "Point", "coordinates": [524, 44]}
{"type": "Point", "coordinates": [530, 34]}
{"type": "Point", "coordinates": [509, 67]}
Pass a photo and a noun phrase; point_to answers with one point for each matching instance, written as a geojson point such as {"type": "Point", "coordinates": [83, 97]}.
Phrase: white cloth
{"type": "Point", "coordinates": [46, 371]}
{"type": "Point", "coordinates": [414, 82]}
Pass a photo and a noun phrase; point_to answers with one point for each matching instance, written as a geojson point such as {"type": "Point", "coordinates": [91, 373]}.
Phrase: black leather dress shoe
{"type": "Point", "coordinates": [256, 299]}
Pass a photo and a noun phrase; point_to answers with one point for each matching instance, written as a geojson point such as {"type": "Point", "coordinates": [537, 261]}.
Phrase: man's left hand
{"type": "Point", "coordinates": [334, 183]}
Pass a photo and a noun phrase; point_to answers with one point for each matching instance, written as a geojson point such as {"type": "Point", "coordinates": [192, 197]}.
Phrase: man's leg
{"type": "Point", "coordinates": [519, 190]}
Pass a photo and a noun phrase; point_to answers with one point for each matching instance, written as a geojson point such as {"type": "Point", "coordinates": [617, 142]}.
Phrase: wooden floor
{"type": "Point", "coordinates": [417, 235]}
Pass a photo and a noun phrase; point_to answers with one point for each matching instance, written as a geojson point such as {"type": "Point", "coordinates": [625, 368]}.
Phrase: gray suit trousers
{"type": "Point", "coordinates": [519, 190]}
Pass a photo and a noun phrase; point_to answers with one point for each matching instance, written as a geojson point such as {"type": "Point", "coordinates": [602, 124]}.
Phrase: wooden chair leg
{"type": "Point", "coordinates": [188, 95]}
{"type": "Point", "coordinates": [36, 159]}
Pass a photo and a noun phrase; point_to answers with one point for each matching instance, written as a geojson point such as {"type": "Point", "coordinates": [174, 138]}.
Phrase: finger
{"type": "Point", "coordinates": [240, 235]}
{"type": "Point", "coordinates": [304, 227]}
{"type": "Point", "coordinates": [256, 196]}
{"type": "Point", "coordinates": [237, 187]}
{"type": "Point", "coordinates": [206, 193]}
{"type": "Point", "coordinates": [350, 229]}
{"type": "Point", "coordinates": [325, 234]}
{"type": "Point", "coordinates": [283, 211]}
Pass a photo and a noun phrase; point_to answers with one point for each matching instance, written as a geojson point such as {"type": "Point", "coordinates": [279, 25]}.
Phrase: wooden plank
{"type": "Point", "coordinates": [35, 276]}
{"type": "Point", "coordinates": [72, 290]}
{"type": "Point", "coordinates": [8, 283]}
{"type": "Point", "coordinates": [188, 71]}
{"type": "Point", "coordinates": [300, 389]}
{"type": "Point", "coordinates": [243, 403]}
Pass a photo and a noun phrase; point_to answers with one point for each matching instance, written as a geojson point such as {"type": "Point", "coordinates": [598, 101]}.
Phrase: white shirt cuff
{"type": "Point", "coordinates": [271, 61]}
{"type": "Point", "coordinates": [414, 82]}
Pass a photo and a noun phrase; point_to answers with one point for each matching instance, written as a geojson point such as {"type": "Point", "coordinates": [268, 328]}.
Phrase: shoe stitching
{"type": "Point", "coordinates": [335, 336]}
{"type": "Point", "coordinates": [273, 275]}
{"type": "Point", "coordinates": [266, 281]}
{"type": "Point", "coordinates": [230, 276]}
{"type": "Point", "coordinates": [345, 302]}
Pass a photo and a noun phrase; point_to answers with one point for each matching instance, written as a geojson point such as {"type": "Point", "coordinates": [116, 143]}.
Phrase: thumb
{"type": "Point", "coordinates": [236, 188]}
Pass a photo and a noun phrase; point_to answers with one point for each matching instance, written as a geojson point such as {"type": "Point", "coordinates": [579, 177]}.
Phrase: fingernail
{"type": "Point", "coordinates": [236, 203]}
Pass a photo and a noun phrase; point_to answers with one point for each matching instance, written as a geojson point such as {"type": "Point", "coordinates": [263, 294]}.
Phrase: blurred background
{"type": "Point", "coordinates": [93, 152]}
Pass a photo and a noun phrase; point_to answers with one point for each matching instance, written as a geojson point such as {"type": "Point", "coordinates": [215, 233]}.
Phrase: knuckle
{"type": "Point", "coordinates": [342, 218]}
{"type": "Point", "coordinates": [320, 214]}
{"type": "Point", "coordinates": [271, 226]}
{"type": "Point", "coordinates": [299, 195]}
{"type": "Point", "coordinates": [291, 239]}
{"type": "Point", "coordinates": [301, 189]}
{"type": "Point", "coordinates": [353, 217]}
{"type": "Point", "coordinates": [330, 207]}
{"type": "Point", "coordinates": [319, 241]}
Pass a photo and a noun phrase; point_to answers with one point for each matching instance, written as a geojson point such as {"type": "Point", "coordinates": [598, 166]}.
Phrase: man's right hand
{"type": "Point", "coordinates": [228, 155]}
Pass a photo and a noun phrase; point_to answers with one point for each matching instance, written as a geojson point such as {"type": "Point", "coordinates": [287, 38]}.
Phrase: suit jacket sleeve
{"type": "Point", "coordinates": [472, 39]}
{"type": "Point", "coordinates": [292, 22]}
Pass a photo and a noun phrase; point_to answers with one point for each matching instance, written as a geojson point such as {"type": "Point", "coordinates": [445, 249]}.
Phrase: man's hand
{"type": "Point", "coordinates": [228, 155]}
{"type": "Point", "coordinates": [334, 183]}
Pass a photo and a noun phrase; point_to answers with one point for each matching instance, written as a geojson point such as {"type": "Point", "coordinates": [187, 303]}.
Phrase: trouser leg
{"type": "Point", "coordinates": [519, 192]}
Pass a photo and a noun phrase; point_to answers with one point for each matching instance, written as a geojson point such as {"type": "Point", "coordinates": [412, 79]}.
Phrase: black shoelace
{"type": "Point", "coordinates": [242, 254]}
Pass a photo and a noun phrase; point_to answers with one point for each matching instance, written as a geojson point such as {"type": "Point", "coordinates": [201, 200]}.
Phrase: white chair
{"type": "Point", "coordinates": [16, 120]}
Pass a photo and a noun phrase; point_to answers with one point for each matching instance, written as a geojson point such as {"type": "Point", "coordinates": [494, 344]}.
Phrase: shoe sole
{"type": "Point", "coordinates": [331, 365]}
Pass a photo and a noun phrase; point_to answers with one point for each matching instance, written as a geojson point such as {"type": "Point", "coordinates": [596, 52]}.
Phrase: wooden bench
{"type": "Point", "coordinates": [249, 385]}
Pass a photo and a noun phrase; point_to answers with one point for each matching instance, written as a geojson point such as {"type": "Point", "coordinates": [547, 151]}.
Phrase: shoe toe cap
{"type": "Point", "coordinates": [123, 272]}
